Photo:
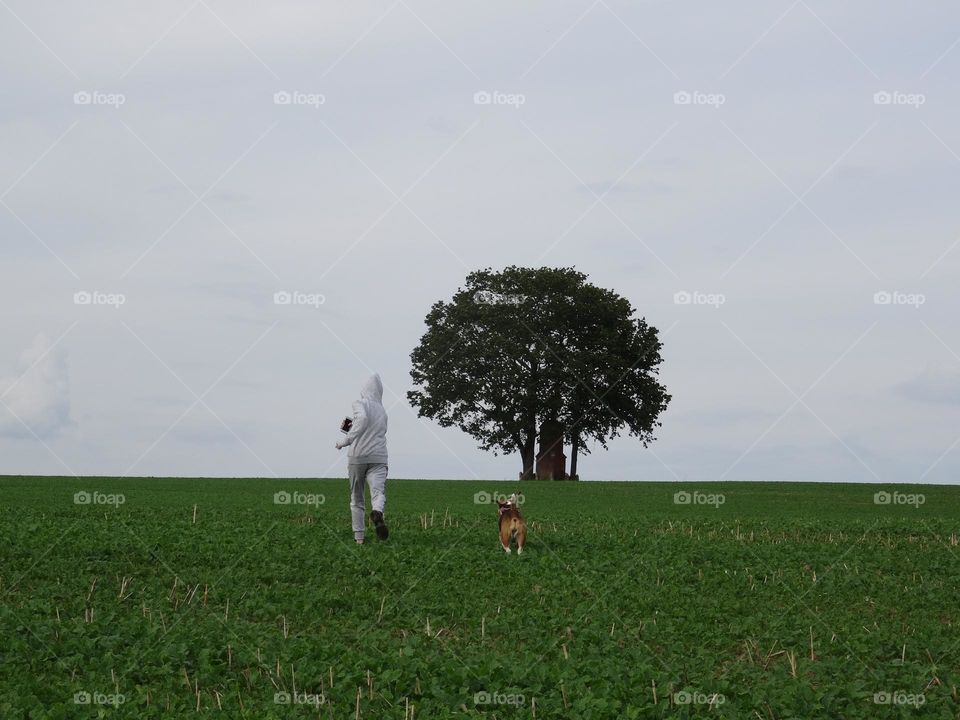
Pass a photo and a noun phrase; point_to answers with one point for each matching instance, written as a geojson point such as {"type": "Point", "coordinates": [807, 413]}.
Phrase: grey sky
{"type": "Point", "coordinates": [737, 155]}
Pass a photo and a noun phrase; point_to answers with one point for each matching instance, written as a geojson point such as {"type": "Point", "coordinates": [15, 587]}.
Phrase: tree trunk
{"type": "Point", "coordinates": [574, 447]}
{"type": "Point", "coordinates": [529, 455]}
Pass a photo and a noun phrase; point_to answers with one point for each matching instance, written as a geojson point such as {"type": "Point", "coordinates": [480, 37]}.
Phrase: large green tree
{"type": "Point", "coordinates": [515, 349]}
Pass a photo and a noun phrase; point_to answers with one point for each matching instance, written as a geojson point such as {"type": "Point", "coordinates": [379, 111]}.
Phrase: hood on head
{"type": "Point", "coordinates": [372, 389]}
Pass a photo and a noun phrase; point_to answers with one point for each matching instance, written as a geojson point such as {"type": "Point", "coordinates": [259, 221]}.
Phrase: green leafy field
{"type": "Point", "coordinates": [783, 601]}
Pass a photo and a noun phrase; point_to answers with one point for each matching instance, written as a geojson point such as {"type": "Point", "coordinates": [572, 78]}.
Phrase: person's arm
{"type": "Point", "coordinates": [359, 423]}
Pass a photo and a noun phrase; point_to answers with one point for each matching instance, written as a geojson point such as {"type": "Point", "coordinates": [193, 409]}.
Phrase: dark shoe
{"type": "Point", "coordinates": [376, 517]}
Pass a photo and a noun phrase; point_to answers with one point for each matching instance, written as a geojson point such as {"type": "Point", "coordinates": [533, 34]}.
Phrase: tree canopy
{"type": "Point", "coordinates": [518, 348]}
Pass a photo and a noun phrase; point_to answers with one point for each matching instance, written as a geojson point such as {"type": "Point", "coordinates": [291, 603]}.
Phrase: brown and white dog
{"type": "Point", "coordinates": [512, 524]}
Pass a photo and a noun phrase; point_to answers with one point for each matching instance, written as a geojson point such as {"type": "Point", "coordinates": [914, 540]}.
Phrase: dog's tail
{"type": "Point", "coordinates": [512, 528]}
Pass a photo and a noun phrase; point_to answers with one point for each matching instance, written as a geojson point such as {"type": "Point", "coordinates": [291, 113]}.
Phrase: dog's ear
{"type": "Point", "coordinates": [501, 505]}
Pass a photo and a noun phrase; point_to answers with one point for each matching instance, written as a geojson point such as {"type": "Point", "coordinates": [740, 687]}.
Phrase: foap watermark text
{"type": "Point", "coordinates": [896, 97]}
{"type": "Point", "coordinates": [895, 297]}
{"type": "Point", "coordinates": [485, 697]}
{"type": "Point", "coordinates": [695, 697]}
{"type": "Point", "coordinates": [295, 97]}
{"type": "Point", "coordinates": [695, 297]}
{"type": "Point", "coordinates": [488, 297]}
{"type": "Point", "coordinates": [485, 498]}
{"type": "Point", "coordinates": [698, 498]}
{"type": "Point", "coordinates": [298, 698]}
{"type": "Point", "coordinates": [84, 697]}
{"type": "Point", "coordinates": [96, 297]}
{"type": "Point", "coordinates": [298, 498]}
{"type": "Point", "coordinates": [495, 97]}
{"type": "Point", "coordinates": [84, 497]}
{"type": "Point", "coordinates": [696, 97]}
{"type": "Point", "coordinates": [899, 697]}
{"type": "Point", "coordinates": [296, 297]}
{"type": "Point", "coordinates": [95, 97]}
{"type": "Point", "coordinates": [898, 498]}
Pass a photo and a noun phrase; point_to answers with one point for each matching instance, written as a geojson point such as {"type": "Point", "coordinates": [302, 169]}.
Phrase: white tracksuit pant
{"type": "Point", "coordinates": [375, 475]}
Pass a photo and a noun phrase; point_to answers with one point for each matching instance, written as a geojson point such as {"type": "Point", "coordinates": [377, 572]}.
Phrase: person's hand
{"type": "Point", "coordinates": [340, 445]}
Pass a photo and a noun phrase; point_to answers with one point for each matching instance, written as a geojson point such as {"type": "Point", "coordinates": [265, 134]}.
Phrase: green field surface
{"type": "Point", "coordinates": [158, 598]}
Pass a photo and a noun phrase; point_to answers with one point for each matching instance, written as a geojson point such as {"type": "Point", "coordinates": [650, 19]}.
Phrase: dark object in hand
{"type": "Point", "coordinates": [346, 425]}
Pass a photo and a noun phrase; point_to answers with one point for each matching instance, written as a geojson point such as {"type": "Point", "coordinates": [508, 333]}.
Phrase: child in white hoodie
{"type": "Point", "coordinates": [367, 461]}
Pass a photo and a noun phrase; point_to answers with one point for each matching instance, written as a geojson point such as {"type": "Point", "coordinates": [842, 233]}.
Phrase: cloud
{"type": "Point", "coordinates": [37, 395]}
{"type": "Point", "coordinates": [936, 386]}
{"type": "Point", "coordinates": [201, 428]}
{"type": "Point", "coordinates": [641, 187]}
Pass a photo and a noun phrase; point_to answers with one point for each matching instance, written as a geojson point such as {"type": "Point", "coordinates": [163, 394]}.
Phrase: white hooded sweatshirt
{"type": "Point", "coordinates": [368, 434]}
